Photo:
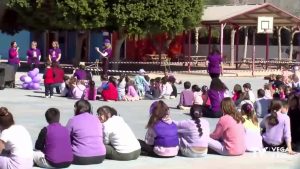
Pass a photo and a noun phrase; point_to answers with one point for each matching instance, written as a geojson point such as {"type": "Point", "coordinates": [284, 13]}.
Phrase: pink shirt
{"type": "Point", "coordinates": [232, 134]}
{"type": "Point", "coordinates": [132, 92]}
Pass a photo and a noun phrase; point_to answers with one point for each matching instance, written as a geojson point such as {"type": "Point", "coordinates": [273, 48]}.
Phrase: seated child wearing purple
{"type": "Point", "coordinates": [53, 144]}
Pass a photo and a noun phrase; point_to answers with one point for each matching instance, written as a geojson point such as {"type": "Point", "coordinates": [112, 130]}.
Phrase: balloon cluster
{"type": "Point", "coordinates": [32, 80]}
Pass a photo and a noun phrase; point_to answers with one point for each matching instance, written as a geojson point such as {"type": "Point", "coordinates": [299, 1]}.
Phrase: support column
{"type": "Point", "coordinates": [209, 40]}
{"type": "Point", "coordinates": [279, 43]}
{"type": "Point", "coordinates": [189, 52]}
{"type": "Point", "coordinates": [196, 39]}
{"type": "Point", "coordinates": [267, 49]}
{"type": "Point", "coordinates": [237, 41]}
{"type": "Point", "coordinates": [232, 46]}
{"type": "Point", "coordinates": [246, 43]}
{"type": "Point", "coordinates": [222, 38]}
{"type": "Point", "coordinates": [293, 33]}
{"type": "Point", "coordinates": [253, 51]}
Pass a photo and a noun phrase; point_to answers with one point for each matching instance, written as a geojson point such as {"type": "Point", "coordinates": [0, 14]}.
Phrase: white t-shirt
{"type": "Point", "coordinates": [18, 141]}
{"type": "Point", "coordinates": [251, 96]}
{"type": "Point", "coordinates": [119, 135]}
{"type": "Point", "coordinates": [198, 98]}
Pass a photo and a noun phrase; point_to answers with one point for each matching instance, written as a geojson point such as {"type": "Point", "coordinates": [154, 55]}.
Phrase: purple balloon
{"type": "Point", "coordinates": [37, 79]}
{"type": "Point", "coordinates": [34, 86]}
{"type": "Point", "coordinates": [36, 70]}
{"type": "Point", "coordinates": [27, 79]}
{"type": "Point", "coordinates": [22, 78]}
{"type": "Point", "coordinates": [25, 86]}
{"type": "Point", "coordinates": [32, 74]}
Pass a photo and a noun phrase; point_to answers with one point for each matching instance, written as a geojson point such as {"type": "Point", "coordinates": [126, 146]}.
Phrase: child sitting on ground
{"type": "Point", "coordinates": [132, 94]}
{"type": "Point", "coordinates": [253, 137]}
{"type": "Point", "coordinates": [154, 92]}
{"type": "Point", "coordinates": [110, 91]}
{"type": "Point", "coordinates": [193, 134]}
{"type": "Point", "coordinates": [277, 128]}
{"type": "Point", "coordinates": [160, 128]}
{"type": "Point", "coordinates": [90, 92]}
{"type": "Point", "coordinates": [104, 81]}
{"type": "Point", "coordinates": [140, 83]}
{"type": "Point", "coordinates": [197, 95]}
{"type": "Point", "coordinates": [78, 90]}
{"type": "Point", "coordinates": [53, 144]}
{"type": "Point", "coordinates": [229, 136]}
{"type": "Point", "coordinates": [120, 142]}
{"type": "Point", "coordinates": [122, 87]}
{"type": "Point", "coordinates": [205, 98]}
{"type": "Point", "coordinates": [186, 97]}
{"type": "Point", "coordinates": [166, 89]}
{"type": "Point", "coordinates": [172, 80]}
{"type": "Point", "coordinates": [247, 89]}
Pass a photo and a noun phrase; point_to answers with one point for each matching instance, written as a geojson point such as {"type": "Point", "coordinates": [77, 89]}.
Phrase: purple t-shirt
{"type": "Point", "coordinates": [33, 56]}
{"type": "Point", "coordinates": [109, 52]}
{"type": "Point", "coordinates": [80, 74]}
{"type": "Point", "coordinates": [214, 63]}
{"type": "Point", "coordinates": [215, 98]}
{"type": "Point", "coordinates": [86, 135]}
{"type": "Point", "coordinates": [54, 53]}
{"type": "Point", "coordinates": [13, 56]}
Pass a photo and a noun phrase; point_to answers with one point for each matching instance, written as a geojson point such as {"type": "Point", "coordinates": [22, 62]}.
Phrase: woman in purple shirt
{"type": "Point", "coordinates": [216, 94]}
{"type": "Point", "coordinates": [55, 52]}
{"type": "Point", "coordinates": [106, 54]}
{"type": "Point", "coordinates": [86, 135]}
{"type": "Point", "coordinates": [214, 62]}
{"type": "Point", "coordinates": [13, 55]}
{"type": "Point", "coordinates": [33, 55]}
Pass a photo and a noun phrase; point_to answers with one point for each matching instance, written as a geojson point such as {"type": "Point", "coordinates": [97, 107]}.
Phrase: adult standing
{"type": "Point", "coordinates": [105, 54]}
{"type": "Point", "coordinates": [216, 93]}
{"type": "Point", "coordinates": [13, 55]}
{"type": "Point", "coordinates": [214, 62]}
{"type": "Point", "coordinates": [33, 55]}
{"type": "Point", "coordinates": [54, 52]}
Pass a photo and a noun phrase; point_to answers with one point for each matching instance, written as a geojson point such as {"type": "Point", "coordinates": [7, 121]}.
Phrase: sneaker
{"type": "Point", "coordinates": [46, 96]}
{"type": "Point", "coordinates": [51, 97]}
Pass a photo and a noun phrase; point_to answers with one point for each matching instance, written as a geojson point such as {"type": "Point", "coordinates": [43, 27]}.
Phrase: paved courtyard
{"type": "Point", "coordinates": [28, 108]}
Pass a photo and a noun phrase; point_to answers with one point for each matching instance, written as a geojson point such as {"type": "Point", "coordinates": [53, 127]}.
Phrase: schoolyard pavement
{"type": "Point", "coordinates": [28, 108]}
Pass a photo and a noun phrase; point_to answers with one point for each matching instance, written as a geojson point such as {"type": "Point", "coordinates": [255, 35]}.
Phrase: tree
{"type": "Point", "coordinates": [152, 17]}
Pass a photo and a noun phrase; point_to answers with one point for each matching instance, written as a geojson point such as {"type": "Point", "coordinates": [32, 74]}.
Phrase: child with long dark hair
{"type": "Point", "coordinates": [229, 135]}
{"type": "Point", "coordinates": [193, 134]}
{"type": "Point", "coordinates": [161, 139]}
{"type": "Point", "coordinates": [110, 91]}
{"type": "Point", "coordinates": [120, 142]}
{"type": "Point", "coordinates": [253, 137]}
{"type": "Point", "coordinates": [90, 92]}
{"type": "Point", "coordinates": [132, 94]}
{"type": "Point", "coordinates": [277, 128]}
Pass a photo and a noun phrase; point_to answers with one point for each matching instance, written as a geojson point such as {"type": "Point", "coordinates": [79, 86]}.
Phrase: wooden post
{"type": "Point", "coordinates": [253, 52]}
{"type": "Point", "coordinates": [232, 46]}
{"type": "Point", "coordinates": [196, 39]}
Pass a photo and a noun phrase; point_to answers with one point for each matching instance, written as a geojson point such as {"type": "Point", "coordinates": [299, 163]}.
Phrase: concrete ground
{"type": "Point", "coordinates": [28, 108]}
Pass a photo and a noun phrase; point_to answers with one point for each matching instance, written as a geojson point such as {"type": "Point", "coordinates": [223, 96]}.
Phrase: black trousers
{"type": "Point", "coordinates": [210, 114]}
{"type": "Point", "coordinates": [48, 89]}
{"type": "Point", "coordinates": [214, 75]}
{"type": "Point", "coordinates": [147, 150]}
{"type": "Point", "coordinates": [105, 65]}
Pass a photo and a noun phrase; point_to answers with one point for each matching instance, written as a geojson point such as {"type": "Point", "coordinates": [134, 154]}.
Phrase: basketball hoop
{"type": "Point", "coordinates": [265, 25]}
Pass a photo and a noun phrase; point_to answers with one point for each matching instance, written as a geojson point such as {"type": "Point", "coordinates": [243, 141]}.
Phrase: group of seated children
{"type": "Point", "coordinates": [106, 135]}
{"type": "Point", "coordinates": [122, 89]}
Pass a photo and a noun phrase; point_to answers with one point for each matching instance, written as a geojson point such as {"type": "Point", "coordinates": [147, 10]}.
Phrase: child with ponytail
{"type": "Point", "coordinates": [229, 135]}
{"type": "Point", "coordinates": [277, 128]}
{"type": "Point", "coordinates": [193, 134]}
{"type": "Point", "coordinates": [253, 138]}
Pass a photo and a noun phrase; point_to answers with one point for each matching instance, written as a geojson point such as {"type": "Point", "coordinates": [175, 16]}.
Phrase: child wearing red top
{"type": "Point", "coordinates": [110, 91]}
{"type": "Point", "coordinates": [48, 80]}
{"type": "Point", "coordinates": [58, 78]}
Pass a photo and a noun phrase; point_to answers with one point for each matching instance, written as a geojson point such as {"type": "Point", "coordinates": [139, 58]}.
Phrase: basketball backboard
{"type": "Point", "coordinates": [264, 24]}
